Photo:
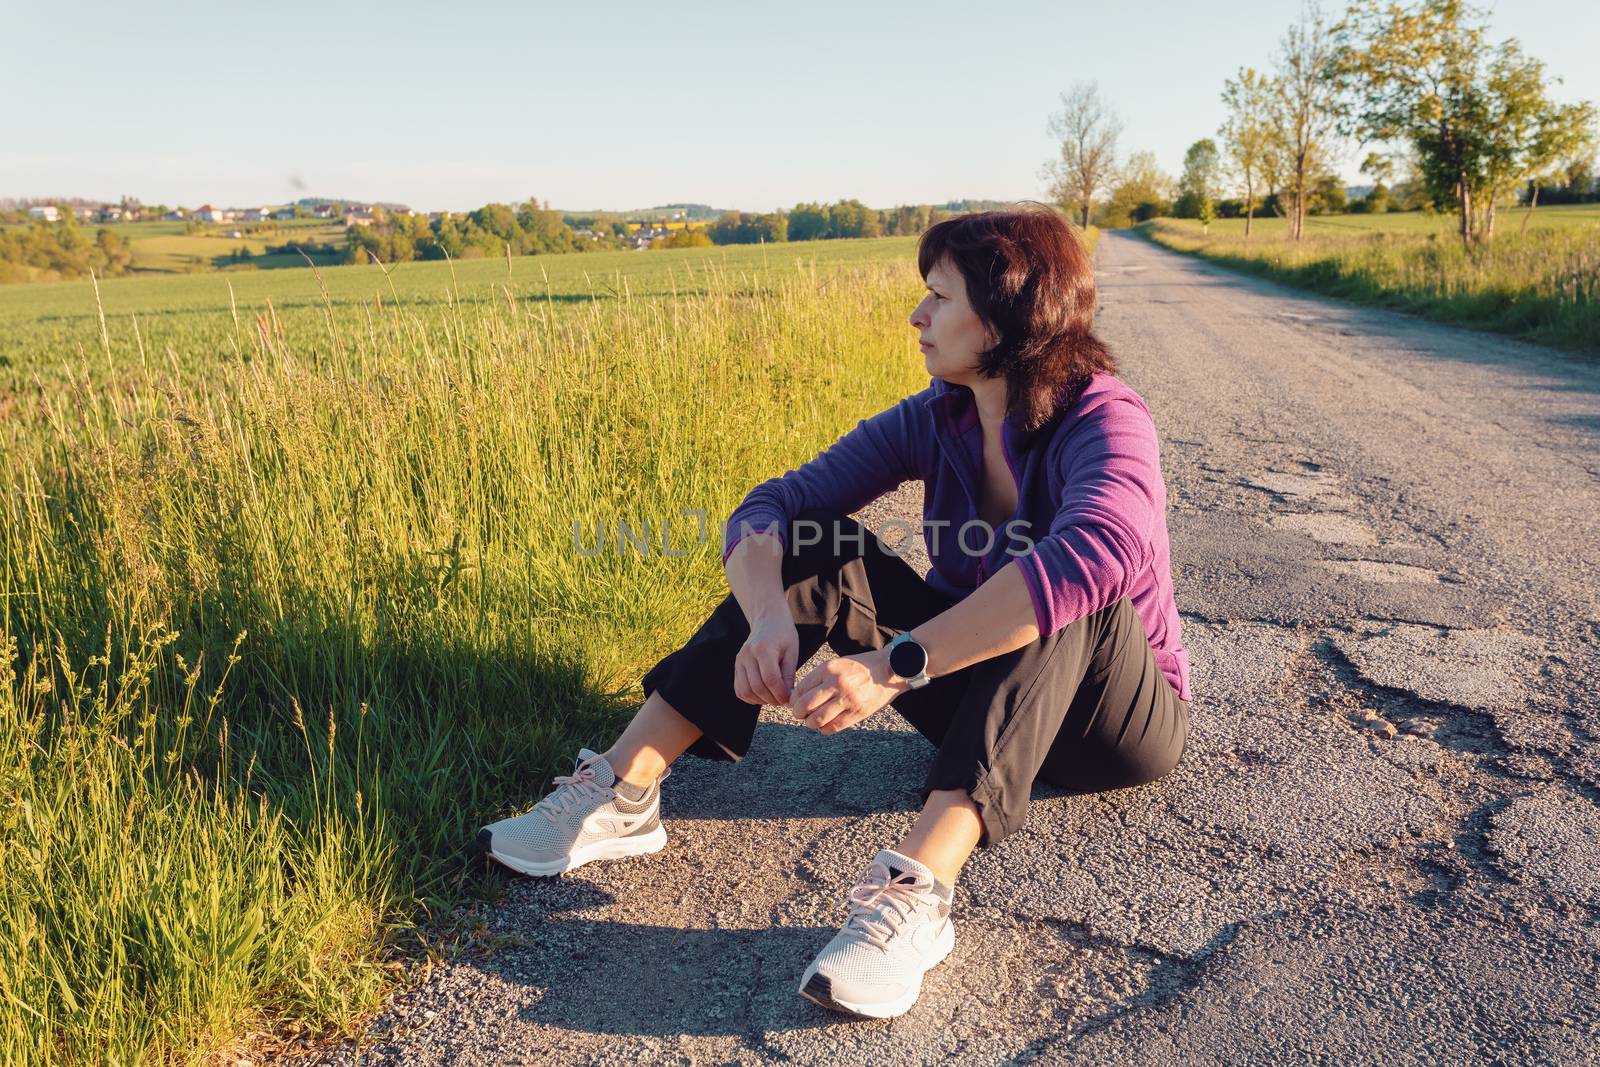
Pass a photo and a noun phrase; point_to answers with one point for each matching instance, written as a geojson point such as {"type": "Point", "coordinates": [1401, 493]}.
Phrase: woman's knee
{"type": "Point", "coordinates": [1083, 771]}
{"type": "Point", "coordinates": [1157, 761]}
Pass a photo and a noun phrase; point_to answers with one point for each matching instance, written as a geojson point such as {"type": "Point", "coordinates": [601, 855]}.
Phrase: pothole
{"type": "Point", "coordinates": [1326, 528]}
{"type": "Point", "coordinates": [1479, 669]}
{"type": "Point", "coordinates": [1372, 570]}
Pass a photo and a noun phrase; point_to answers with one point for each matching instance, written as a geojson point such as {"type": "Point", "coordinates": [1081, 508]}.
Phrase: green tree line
{"type": "Point", "coordinates": [45, 251]}
{"type": "Point", "coordinates": [525, 229]}
{"type": "Point", "coordinates": [531, 229]}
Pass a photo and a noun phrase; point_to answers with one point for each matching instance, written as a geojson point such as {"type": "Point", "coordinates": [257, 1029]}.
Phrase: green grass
{"type": "Point", "coordinates": [289, 602]}
{"type": "Point", "coordinates": [1406, 222]}
{"type": "Point", "coordinates": [48, 325]}
{"type": "Point", "coordinates": [166, 248]}
{"type": "Point", "coordinates": [1543, 286]}
{"type": "Point", "coordinates": [182, 253]}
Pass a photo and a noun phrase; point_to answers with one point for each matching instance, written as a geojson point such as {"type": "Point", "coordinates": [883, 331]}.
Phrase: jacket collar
{"type": "Point", "coordinates": [955, 412]}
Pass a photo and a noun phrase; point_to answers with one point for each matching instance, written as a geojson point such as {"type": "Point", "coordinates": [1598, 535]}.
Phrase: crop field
{"type": "Point", "coordinates": [291, 596]}
{"type": "Point", "coordinates": [1542, 285]}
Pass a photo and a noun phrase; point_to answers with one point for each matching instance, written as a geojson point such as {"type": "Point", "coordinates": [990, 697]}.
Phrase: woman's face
{"type": "Point", "coordinates": [951, 333]}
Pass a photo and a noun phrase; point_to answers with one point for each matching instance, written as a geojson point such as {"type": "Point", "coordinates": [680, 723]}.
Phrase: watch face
{"type": "Point", "coordinates": [908, 659]}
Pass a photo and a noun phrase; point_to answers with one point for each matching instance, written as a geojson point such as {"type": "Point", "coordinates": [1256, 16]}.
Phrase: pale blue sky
{"type": "Point", "coordinates": [622, 104]}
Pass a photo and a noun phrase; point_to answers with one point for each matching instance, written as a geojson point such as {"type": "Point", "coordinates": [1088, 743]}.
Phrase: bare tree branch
{"type": "Point", "coordinates": [1088, 131]}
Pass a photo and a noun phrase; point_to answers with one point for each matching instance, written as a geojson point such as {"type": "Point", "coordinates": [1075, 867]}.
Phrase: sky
{"type": "Point", "coordinates": [621, 104]}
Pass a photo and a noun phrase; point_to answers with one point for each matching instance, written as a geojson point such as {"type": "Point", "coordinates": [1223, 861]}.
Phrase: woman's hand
{"type": "Point", "coordinates": [763, 672]}
{"type": "Point", "coordinates": [845, 690]}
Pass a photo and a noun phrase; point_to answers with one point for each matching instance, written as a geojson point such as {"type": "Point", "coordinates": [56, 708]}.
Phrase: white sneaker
{"type": "Point", "coordinates": [583, 819]}
{"type": "Point", "coordinates": [899, 929]}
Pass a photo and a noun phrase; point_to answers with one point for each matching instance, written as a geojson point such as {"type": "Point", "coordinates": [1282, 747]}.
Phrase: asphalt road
{"type": "Point", "coordinates": [1382, 844]}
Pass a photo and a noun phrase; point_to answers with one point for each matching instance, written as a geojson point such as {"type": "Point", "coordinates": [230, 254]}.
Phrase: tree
{"type": "Point", "coordinates": [1477, 117]}
{"type": "Point", "coordinates": [1579, 180]}
{"type": "Point", "coordinates": [1520, 119]}
{"type": "Point", "coordinates": [684, 238]}
{"type": "Point", "coordinates": [1200, 182]}
{"type": "Point", "coordinates": [1088, 132]}
{"type": "Point", "coordinates": [497, 219]}
{"type": "Point", "coordinates": [1327, 196]}
{"type": "Point", "coordinates": [114, 252]}
{"type": "Point", "coordinates": [1566, 136]}
{"type": "Point", "coordinates": [1247, 133]}
{"type": "Point", "coordinates": [908, 219]}
{"type": "Point", "coordinates": [808, 222]}
{"type": "Point", "coordinates": [1380, 168]}
{"type": "Point", "coordinates": [1141, 190]}
{"type": "Point", "coordinates": [542, 229]}
{"type": "Point", "coordinates": [852, 218]}
{"type": "Point", "coordinates": [1306, 111]}
{"type": "Point", "coordinates": [745, 228]}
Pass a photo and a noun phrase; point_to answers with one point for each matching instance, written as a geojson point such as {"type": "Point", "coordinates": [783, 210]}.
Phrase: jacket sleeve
{"type": "Point", "coordinates": [876, 456]}
{"type": "Point", "coordinates": [1100, 539]}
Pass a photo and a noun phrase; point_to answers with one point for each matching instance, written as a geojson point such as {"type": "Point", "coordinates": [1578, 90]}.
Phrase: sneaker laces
{"type": "Point", "coordinates": [580, 785]}
{"type": "Point", "coordinates": [881, 905]}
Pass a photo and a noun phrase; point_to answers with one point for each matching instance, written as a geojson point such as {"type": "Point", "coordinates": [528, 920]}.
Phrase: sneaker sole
{"type": "Point", "coordinates": [610, 848]}
{"type": "Point", "coordinates": [818, 988]}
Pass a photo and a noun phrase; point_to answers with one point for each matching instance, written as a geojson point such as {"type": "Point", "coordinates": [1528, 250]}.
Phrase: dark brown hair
{"type": "Point", "coordinates": [1031, 282]}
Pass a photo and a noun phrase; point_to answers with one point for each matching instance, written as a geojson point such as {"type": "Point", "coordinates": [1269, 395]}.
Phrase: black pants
{"type": "Point", "coordinates": [1084, 708]}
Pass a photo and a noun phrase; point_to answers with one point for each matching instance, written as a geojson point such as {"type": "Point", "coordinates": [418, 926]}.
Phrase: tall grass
{"type": "Point", "coordinates": [44, 325]}
{"type": "Point", "coordinates": [1543, 286]}
{"type": "Point", "coordinates": [282, 625]}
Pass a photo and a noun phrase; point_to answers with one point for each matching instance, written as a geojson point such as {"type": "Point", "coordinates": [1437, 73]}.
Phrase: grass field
{"type": "Point", "coordinates": [46, 329]}
{"type": "Point", "coordinates": [163, 247]}
{"type": "Point", "coordinates": [290, 602]}
{"type": "Point", "coordinates": [184, 253]}
{"type": "Point", "coordinates": [1541, 286]}
{"type": "Point", "coordinates": [1408, 222]}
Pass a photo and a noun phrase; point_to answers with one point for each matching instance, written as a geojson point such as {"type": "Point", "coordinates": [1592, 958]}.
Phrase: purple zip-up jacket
{"type": "Point", "coordinates": [1090, 497]}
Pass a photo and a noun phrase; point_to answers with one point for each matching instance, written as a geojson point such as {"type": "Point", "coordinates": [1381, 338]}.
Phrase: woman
{"type": "Point", "coordinates": [1044, 642]}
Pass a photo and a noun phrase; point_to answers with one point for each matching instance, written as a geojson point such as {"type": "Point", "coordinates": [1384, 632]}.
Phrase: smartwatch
{"type": "Point", "coordinates": [909, 660]}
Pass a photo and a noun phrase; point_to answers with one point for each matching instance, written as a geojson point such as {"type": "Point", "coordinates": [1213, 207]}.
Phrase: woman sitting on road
{"type": "Point", "coordinates": [1044, 643]}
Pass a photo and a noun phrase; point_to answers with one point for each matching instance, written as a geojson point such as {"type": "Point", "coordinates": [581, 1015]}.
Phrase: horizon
{"type": "Point", "coordinates": [738, 109]}
{"type": "Point", "coordinates": [16, 203]}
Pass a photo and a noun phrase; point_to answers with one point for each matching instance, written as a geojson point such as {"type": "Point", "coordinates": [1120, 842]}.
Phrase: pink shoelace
{"type": "Point", "coordinates": [881, 905]}
{"type": "Point", "coordinates": [580, 783]}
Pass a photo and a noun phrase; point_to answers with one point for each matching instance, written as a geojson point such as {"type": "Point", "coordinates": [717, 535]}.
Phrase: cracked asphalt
{"type": "Point", "coordinates": [1382, 844]}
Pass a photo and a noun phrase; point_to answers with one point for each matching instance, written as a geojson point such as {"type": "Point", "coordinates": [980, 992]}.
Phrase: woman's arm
{"type": "Point", "coordinates": [993, 619]}
{"type": "Point", "coordinates": [1099, 541]}
{"type": "Point", "coordinates": [1102, 536]}
{"type": "Point", "coordinates": [878, 454]}
{"type": "Point", "coordinates": [763, 672]}
{"type": "Point", "coordinates": [996, 618]}
{"type": "Point", "coordinates": [755, 576]}
{"type": "Point", "coordinates": [874, 457]}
